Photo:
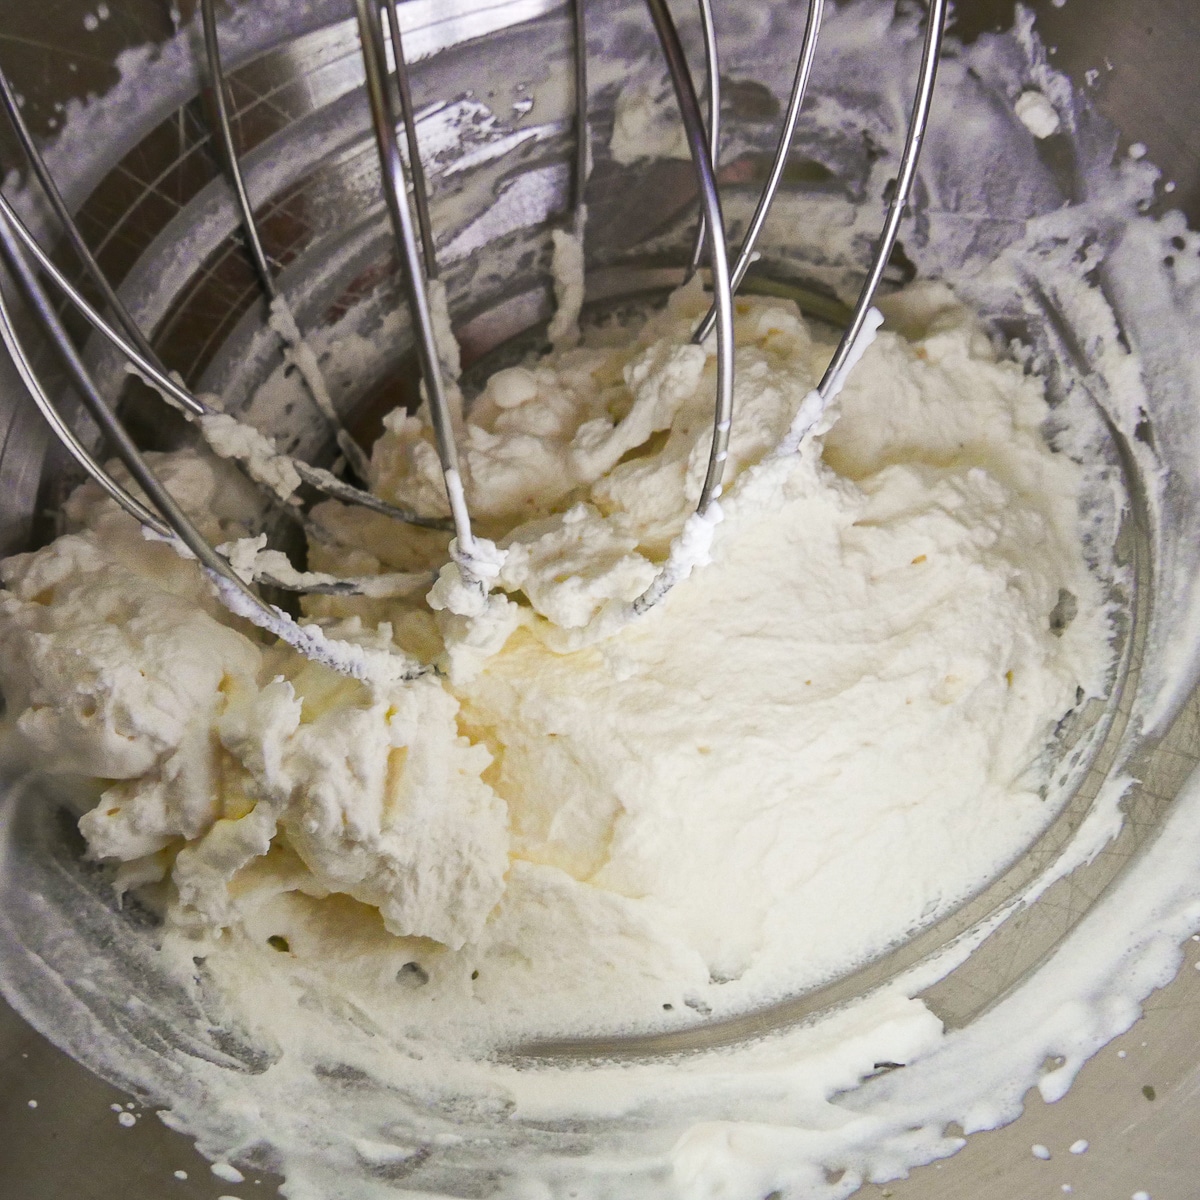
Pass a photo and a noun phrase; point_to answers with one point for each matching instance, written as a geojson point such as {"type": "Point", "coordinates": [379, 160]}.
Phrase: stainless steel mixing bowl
{"type": "Point", "coordinates": [138, 183]}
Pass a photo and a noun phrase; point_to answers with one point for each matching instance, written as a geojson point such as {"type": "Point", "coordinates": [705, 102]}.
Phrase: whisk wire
{"type": "Point", "coordinates": [712, 74]}
{"type": "Point", "coordinates": [918, 120]}
{"type": "Point", "coordinates": [583, 149]}
{"type": "Point", "coordinates": [694, 128]}
{"type": "Point", "coordinates": [228, 151]}
{"type": "Point", "coordinates": [69, 225]}
{"type": "Point", "coordinates": [114, 432]}
{"type": "Point", "coordinates": [416, 168]}
{"type": "Point", "coordinates": [63, 431]}
{"type": "Point", "coordinates": [395, 190]}
{"type": "Point", "coordinates": [282, 320]}
{"type": "Point", "coordinates": [804, 66]}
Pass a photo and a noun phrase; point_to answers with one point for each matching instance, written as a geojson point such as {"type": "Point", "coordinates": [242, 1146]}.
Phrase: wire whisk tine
{"type": "Point", "coordinates": [710, 199]}
{"type": "Point", "coordinates": [474, 566]}
{"type": "Point", "coordinates": [62, 428]}
{"type": "Point", "coordinates": [787, 134]}
{"type": "Point", "coordinates": [68, 224]}
{"type": "Point", "coordinates": [420, 186]}
{"type": "Point", "coordinates": [712, 88]}
{"type": "Point", "coordinates": [133, 344]}
{"type": "Point", "coordinates": [283, 320]}
{"type": "Point", "coordinates": [228, 151]}
{"type": "Point", "coordinates": [918, 120]}
{"type": "Point", "coordinates": [173, 516]}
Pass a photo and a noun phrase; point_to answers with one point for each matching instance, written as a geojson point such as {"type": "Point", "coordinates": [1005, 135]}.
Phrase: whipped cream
{"type": "Point", "coordinates": [868, 665]}
{"type": "Point", "coordinates": [357, 1079]}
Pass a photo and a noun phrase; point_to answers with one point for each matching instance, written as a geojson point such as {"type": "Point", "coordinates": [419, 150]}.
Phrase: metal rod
{"type": "Point", "coordinates": [582, 134]}
{"type": "Point", "coordinates": [712, 70]}
{"type": "Point", "coordinates": [926, 78]}
{"type": "Point", "coordinates": [396, 195]}
{"type": "Point", "coordinates": [144, 364]}
{"type": "Point", "coordinates": [354, 453]}
{"type": "Point", "coordinates": [693, 123]}
{"type": "Point", "coordinates": [799, 87]}
{"type": "Point", "coordinates": [63, 431]}
{"type": "Point", "coordinates": [416, 169]}
{"type": "Point", "coordinates": [337, 489]}
{"type": "Point", "coordinates": [114, 432]}
{"type": "Point", "coordinates": [323, 481]}
{"type": "Point", "coordinates": [229, 158]}
{"type": "Point", "coordinates": [69, 226]}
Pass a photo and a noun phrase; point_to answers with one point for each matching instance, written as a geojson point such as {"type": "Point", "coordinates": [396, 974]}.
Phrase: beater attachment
{"type": "Point", "coordinates": [406, 198]}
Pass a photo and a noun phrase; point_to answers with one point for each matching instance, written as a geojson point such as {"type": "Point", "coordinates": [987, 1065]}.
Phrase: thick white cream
{"type": "Point", "coordinates": [822, 741]}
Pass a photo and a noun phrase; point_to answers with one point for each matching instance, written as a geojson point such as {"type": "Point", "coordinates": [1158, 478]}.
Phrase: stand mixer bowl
{"type": "Point", "coordinates": [138, 167]}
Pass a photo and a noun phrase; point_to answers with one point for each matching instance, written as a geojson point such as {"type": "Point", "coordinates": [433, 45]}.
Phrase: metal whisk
{"type": "Point", "coordinates": [406, 196]}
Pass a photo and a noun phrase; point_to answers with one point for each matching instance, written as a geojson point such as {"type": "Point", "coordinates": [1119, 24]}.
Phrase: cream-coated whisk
{"type": "Point", "coordinates": [41, 284]}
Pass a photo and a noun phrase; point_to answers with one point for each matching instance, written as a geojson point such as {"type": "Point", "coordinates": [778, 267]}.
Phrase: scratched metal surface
{"type": "Point", "coordinates": [1139, 1112]}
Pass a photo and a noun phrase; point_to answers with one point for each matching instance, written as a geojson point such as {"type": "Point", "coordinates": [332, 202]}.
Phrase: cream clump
{"type": "Point", "coordinates": [120, 664]}
{"type": "Point", "coordinates": [826, 738]}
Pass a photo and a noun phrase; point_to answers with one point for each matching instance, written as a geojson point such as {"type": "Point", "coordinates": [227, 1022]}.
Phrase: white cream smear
{"type": "Point", "coordinates": [822, 741]}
